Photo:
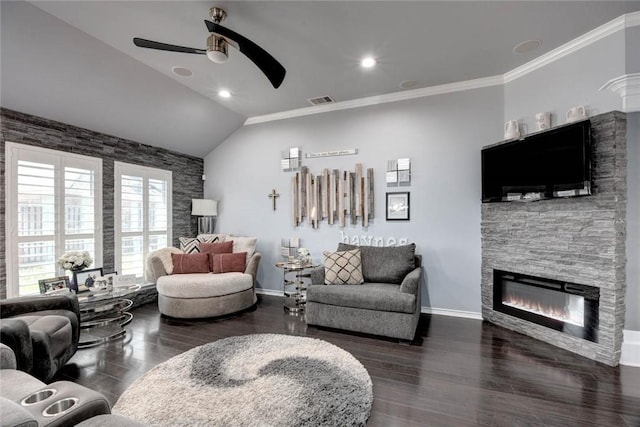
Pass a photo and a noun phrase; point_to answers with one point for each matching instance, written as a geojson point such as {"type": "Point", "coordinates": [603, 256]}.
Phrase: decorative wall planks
{"type": "Point", "coordinates": [333, 196]}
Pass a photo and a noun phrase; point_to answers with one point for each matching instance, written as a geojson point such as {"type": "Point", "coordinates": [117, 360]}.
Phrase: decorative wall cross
{"type": "Point", "coordinates": [273, 196]}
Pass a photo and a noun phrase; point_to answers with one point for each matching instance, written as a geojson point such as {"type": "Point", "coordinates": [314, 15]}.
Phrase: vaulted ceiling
{"type": "Point", "coordinates": [74, 61]}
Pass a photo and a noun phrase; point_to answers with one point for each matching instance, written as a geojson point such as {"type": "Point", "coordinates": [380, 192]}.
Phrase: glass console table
{"type": "Point", "coordinates": [295, 280]}
{"type": "Point", "coordinates": [103, 315]}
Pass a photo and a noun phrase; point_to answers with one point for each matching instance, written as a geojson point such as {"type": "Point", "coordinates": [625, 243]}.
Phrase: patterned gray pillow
{"type": "Point", "coordinates": [343, 268]}
{"type": "Point", "coordinates": [191, 245]}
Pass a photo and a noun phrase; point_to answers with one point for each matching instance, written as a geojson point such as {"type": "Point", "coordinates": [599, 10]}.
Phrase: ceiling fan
{"type": "Point", "coordinates": [217, 44]}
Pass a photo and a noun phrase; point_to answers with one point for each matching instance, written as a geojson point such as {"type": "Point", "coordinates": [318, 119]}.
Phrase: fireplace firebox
{"type": "Point", "coordinates": [568, 307]}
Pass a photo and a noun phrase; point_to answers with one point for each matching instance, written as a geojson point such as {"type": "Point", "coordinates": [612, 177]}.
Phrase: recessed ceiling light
{"type": "Point", "coordinates": [224, 93]}
{"type": "Point", "coordinates": [368, 62]}
{"type": "Point", "coordinates": [526, 46]}
{"type": "Point", "coordinates": [181, 71]}
{"type": "Point", "coordinates": [408, 84]}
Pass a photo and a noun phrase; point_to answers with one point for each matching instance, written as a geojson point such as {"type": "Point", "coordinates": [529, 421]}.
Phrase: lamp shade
{"type": "Point", "coordinates": [204, 207]}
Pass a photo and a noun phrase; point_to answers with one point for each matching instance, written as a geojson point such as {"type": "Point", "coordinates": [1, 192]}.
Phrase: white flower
{"type": "Point", "coordinates": [75, 259]}
{"type": "Point", "coordinates": [303, 252]}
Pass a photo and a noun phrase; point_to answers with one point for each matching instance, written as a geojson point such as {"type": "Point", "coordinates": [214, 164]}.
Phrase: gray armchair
{"type": "Point", "coordinates": [41, 331]}
{"type": "Point", "coordinates": [387, 303]}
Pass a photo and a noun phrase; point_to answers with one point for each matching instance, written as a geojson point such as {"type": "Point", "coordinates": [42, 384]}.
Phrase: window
{"type": "Point", "coordinates": [54, 205]}
{"type": "Point", "coordinates": [143, 215]}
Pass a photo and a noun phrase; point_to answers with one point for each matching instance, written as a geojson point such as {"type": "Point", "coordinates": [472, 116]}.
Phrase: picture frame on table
{"type": "Point", "coordinates": [54, 285]}
{"type": "Point", "coordinates": [398, 206]}
{"type": "Point", "coordinates": [111, 277]}
{"type": "Point", "coordinates": [84, 279]}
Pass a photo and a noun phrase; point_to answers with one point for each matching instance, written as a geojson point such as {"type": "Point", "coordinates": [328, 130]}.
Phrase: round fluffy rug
{"type": "Point", "coordinates": [253, 380]}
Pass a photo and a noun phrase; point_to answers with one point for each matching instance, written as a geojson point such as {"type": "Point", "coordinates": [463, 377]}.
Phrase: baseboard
{"type": "Point", "coordinates": [630, 354]}
{"type": "Point", "coordinates": [452, 313]}
{"type": "Point", "coordinates": [271, 292]}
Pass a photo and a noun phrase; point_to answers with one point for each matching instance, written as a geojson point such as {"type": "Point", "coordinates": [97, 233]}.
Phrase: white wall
{"type": "Point", "coordinates": [567, 82]}
{"type": "Point", "coordinates": [441, 134]}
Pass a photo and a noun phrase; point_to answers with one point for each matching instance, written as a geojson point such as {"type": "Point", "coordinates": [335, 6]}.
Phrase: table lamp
{"type": "Point", "coordinates": [207, 211]}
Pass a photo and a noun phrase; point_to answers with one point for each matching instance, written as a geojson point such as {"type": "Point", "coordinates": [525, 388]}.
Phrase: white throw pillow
{"type": "Point", "coordinates": [164, 255]}
{"type": "Point", "coordinates": [244, 244]}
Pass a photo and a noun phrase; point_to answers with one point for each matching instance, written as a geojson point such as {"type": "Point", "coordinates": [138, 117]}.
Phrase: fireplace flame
{"type": "Point", "coordinates": [563, 314]}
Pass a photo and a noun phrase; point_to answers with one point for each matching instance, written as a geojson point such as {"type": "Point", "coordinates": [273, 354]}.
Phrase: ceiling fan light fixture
{"type": "Point", "coordinates": [217, 14]}
{"type": "Point", "coordinates": [217, 49]}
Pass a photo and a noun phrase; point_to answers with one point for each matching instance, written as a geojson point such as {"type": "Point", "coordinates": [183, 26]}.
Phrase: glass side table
{"type": "Point", "coordinates": [295, 281]}
{"type": "Point", "coordinates": [103, 315]}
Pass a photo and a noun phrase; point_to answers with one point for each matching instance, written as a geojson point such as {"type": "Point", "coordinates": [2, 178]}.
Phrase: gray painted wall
{"type": "Point", "coordinates": [32, 130]}
{"type": "Point", "coordinates": [441, 134]}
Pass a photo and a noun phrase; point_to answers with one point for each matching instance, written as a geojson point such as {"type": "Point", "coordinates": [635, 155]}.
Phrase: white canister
{"type": "Point", "coordinates": [576, 113]}
{"type": "Point", "coordinates": [511, 129]}
{"type": "Point", "coordinates": [543, 121]}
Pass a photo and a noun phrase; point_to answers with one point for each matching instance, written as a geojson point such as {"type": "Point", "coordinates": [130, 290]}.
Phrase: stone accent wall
{"type": "Point", "coordinates": [31, 130]}
{"type": "Point", "coordinates": [580, 240]}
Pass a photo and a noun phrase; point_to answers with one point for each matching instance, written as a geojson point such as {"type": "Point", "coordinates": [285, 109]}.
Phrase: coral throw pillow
{"type": "Point", "coordinates": [227, 263]}
{"type": "Point", "coordinates": [190, 263]}
{"type": "Point", "coordinates": [217, 248]}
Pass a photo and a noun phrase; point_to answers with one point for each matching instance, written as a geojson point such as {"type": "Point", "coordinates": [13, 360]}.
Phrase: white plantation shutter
{"type": "Point", "coordinates": [143, 215]}
{"type": "Point", "coordinates": [53, 205]}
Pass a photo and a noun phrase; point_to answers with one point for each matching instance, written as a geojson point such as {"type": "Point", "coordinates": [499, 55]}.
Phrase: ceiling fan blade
{"type": "Point", "coordinates": [164, 46]}
{"type": "Point", "coordinates": [268, 64]}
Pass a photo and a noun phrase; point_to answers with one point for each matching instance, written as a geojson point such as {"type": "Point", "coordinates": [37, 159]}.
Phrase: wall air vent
{"type": "Point", "coordinates": [321, 100]}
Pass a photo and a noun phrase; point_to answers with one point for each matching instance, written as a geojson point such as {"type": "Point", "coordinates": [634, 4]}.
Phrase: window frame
{"type": "Point", "coordinates": [14, 152]}
{"type": "Point", "coordinates": [147, 173]}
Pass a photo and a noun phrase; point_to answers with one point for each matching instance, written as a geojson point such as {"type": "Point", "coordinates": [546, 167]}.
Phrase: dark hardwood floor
{"type": "Point", "coordinates": [459, 372]}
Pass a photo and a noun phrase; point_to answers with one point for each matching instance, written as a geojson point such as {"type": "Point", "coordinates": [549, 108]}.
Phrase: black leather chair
{"type": "Point", "coordinates": [42, 331]}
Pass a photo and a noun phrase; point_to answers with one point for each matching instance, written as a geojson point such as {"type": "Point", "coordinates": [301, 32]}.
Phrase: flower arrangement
{"type": "Point", "coordinates": [304, 255]}
{"type": "Point", "coordinates": [75, 261]}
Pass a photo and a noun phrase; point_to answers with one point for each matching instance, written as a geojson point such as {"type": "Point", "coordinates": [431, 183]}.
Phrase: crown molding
{"type": "Point", "coordinates": [628, 87]}
{"type": "Point", "coordinates": [624, 21]}
{"type": "Point", "coordinates": [611, 27]}
{"type": "Point", "coordinates": [379, 99]}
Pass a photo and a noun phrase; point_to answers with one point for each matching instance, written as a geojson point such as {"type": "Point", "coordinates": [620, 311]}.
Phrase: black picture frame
{"type": "Point", "coordinates": [54, 285]}
{"type": "Point", "coordinates": [398, 207]}
{"type": "Point", "coordinates": [80, 277]}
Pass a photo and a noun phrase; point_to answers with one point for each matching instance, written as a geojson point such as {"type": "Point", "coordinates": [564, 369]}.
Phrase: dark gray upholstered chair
{"type": "Point", "coordinates": [387, 303]}
{"type": "Point", "coordinates": [41, 331]}
{"type": "Point", "coordinates": [24, 400]}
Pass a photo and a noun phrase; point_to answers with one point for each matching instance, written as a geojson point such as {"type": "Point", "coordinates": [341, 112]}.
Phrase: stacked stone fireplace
{"type": "Point", "coordinates": [575, 244]}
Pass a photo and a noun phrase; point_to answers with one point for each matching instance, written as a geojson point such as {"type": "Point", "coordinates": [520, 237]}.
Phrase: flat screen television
{"type": "Point", "coordinates": [553, 163]}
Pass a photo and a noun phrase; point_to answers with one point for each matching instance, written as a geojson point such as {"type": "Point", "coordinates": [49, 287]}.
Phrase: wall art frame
{"type": "Point", "coordinates": [398, 206]}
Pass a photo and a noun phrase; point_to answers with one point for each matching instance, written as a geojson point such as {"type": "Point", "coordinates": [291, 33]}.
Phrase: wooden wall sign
{"type": "Point", "coordinates": [333, 195]}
